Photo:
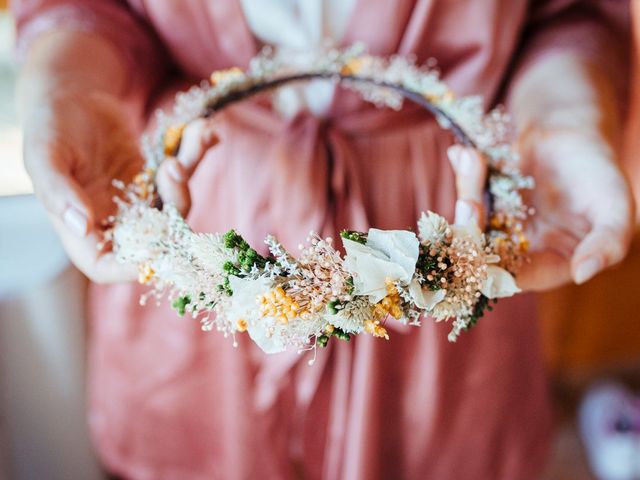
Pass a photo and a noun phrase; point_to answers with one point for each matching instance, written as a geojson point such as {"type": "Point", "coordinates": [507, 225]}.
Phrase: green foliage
{"type": "Point", "coordinates": [338, 333]}
{"type": "Point", "coordinates": [482, 305]}
{"type": "Point", "coordinates": [354, 236]}
{"type": "Point", "coordinates": [333, 307]}
{"type": "Point", "coordinates": [427, 264]}
{"type": "Point", "coordinates": [226, 287]}
{"type": "Point", "coordinates": [247, 259]}
{"type": "Point", "coordinates": [180, 304]}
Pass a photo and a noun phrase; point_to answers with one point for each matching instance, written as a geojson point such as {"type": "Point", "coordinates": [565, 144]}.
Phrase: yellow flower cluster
{"type": "Point", "coordinates": [446, 97]}
{"type": "Point", "coordinates": [142, 183]}
{"type": "Point", "coordinates": [221, 75]}
{"type": "Point", "coordinates": [145, 273]}
{"type": "Point", "coordinates": [172, 137]}
{"type": "Point", "coordinates": [353, 67]}
{"type": "Point", "coordinates": [241, 325]}
{"type": "Point", "coordinates": [516, 239]}
{"type": "Point", "coordinates": [374, 328]}
{"type": "Point", "coordinates": [277, 304]}
{"type": "Point", "coordinates": [389, 305]}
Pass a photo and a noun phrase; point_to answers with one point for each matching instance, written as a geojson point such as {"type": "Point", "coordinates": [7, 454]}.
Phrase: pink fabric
{"type": "Point", "coordinates": [169, 401]}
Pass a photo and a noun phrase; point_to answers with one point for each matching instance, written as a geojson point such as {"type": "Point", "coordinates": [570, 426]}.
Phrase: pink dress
{"type": "Point", "coordinates": [168, 401]}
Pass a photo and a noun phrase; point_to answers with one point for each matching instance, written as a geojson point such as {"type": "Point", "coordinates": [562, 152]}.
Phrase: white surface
{"type": "Point", "coordinates": [42, 401]}
{"type": "Point", "coordinates": [13, 177]}
{"type": "Point", "coordinates": [43, 426]}
{"type": "Point", "coordinates": [30, 252]}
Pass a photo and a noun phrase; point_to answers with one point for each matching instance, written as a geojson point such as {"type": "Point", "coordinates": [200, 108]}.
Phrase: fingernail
{"type": "Point", "coordinates": [465, 212]}
{"type": "Point", "coordinates": [175, 171]}
{"type": "Point", "coordinates": [587, 269]}
{"type": "Point", "coordinates": [76, 221]}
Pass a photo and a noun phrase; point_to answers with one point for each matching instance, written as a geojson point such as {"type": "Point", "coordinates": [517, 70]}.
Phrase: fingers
{"type": "Point", "coordinates": [601, 248]}
{"type": "Point", "coordinates": [470, 170]}
{"type": "Point", "coordinates": [197, 138]}
{"type": "Point", "coordinates": [172, 182]}
{"type": "Point", "coordinates": [544, 270]}
{"type": "Point", "coordinates": [174, 173]}
{"type": "Point", "coordinates": [612, 229]}
{"type": "Point", "coordinates": [59, 192]}
{"type": "Point", "coordinates": [85, 254]}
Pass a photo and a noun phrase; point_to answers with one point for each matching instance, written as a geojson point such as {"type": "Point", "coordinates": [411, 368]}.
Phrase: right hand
{"type": "Point", "coordinates": [75, 144]}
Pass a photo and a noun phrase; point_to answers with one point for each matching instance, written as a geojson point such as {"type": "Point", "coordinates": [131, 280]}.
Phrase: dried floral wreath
{"type": "Point", "coordinates": [444, 271]}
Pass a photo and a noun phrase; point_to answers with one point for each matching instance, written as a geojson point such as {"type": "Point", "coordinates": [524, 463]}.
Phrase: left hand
{"type": "Point", "coordinates": [583, 220]}
{"type": "Point", "coordinates": [584, 211]}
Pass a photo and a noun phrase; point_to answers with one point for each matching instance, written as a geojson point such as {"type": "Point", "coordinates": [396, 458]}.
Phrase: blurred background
{"type": "Point", "coordinates": [591, 333]}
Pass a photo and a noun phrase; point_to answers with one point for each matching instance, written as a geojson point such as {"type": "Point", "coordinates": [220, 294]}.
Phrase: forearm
{"type": "Point", "coordinates": [564, 91]}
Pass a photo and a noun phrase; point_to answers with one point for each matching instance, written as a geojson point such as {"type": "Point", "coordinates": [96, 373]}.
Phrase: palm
{"type": "Point", "coordinates": [75, 145]}
{"type": "Point", "coordinates": [97, 146]}
{"type": "Point", "coordinates": [580, 197]}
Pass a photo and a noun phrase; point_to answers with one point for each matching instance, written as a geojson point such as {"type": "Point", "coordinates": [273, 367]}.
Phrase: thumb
{"type": "Point", "coordinates": [197, 137]}
{"type": "Point", "coordinates": [59, 192]}
{"type": "Point", "coordinates": [470, 169]}
{"type": "Point", "coordinates": [174, 173]}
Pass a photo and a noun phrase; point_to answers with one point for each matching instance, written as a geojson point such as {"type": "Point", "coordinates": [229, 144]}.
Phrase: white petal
{"type": "Point", "coordinates": [424, 298]}
{"type": "Point", "coordinates": [370, 270]}
{"type": "Point", "coordinates": [431, 227]}
{"type": "Point", "coordinates": [499, 283]}
{"type": "Point", "coordinates": [243, 303]}
{"type": "Point", "coordinates": [349, 325]}
{"type": "Point", "coordinates": [259, 333]}
{"type": "Point", "coordinates": [400, 247]}
{"type": "Point", "coordinates": [470, 232]}
{"type": "Point", "coordinates": [244, 306]}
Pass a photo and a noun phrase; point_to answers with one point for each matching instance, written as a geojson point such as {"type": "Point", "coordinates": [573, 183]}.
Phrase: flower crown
{"type": "Point", "coordinates": [444, 271]}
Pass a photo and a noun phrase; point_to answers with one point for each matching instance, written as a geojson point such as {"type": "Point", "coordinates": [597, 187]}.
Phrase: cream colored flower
{"type": "Point", "coordinates": [424, 298]}
{"type": "Point", "coordinates": [243, 306]}
{"type": "Point", "coordinates": [432, 227]}
{"type": "Point", "coordinates": [499, 283]}
{"type": "Point", "coordinates": [387, 256]}
{"type": "Point", "coordinates": [137, 234]}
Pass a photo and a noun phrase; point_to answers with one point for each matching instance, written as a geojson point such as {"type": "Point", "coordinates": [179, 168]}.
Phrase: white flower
{"type": "Point", "coordinates": [176, 270]}
{"type": "Point", "coordinates": [424, 298]}
{"type": "Point", "coordinates": [209, 251]}
{"type": "Point", "coordinates": [499, 282]}
{"type": "Point", "coordinates": [432, 227]}
{"type": "Point", "coordinates": [352, 316]}
{"type": "Point", "coordinates": [470, 232]}
{"type": "Point", "coordinates": [265, 332]}
{"type": "Point", "coordinates": [136, 235]}
{"type": "Point", "coordinates": [387, 256]}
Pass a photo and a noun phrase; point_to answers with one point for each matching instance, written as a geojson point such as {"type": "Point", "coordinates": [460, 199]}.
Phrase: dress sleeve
{"type": "Point", "coordinates": [113, 20]}
{"type": "Point", "coordinates": [597, 30]}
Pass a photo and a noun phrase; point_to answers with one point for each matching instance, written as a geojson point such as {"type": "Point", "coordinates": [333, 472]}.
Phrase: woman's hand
{"type": "Point", "coordinates": [583, 219]}
{"type": "Point", "coordinates": [566, 110]}
{"type": "Point", "coordinates": [77, 108]}
{"type": "Point", "coordinates": [76, 144]}
{"type": "Point", "coordinates": [583, 207]}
